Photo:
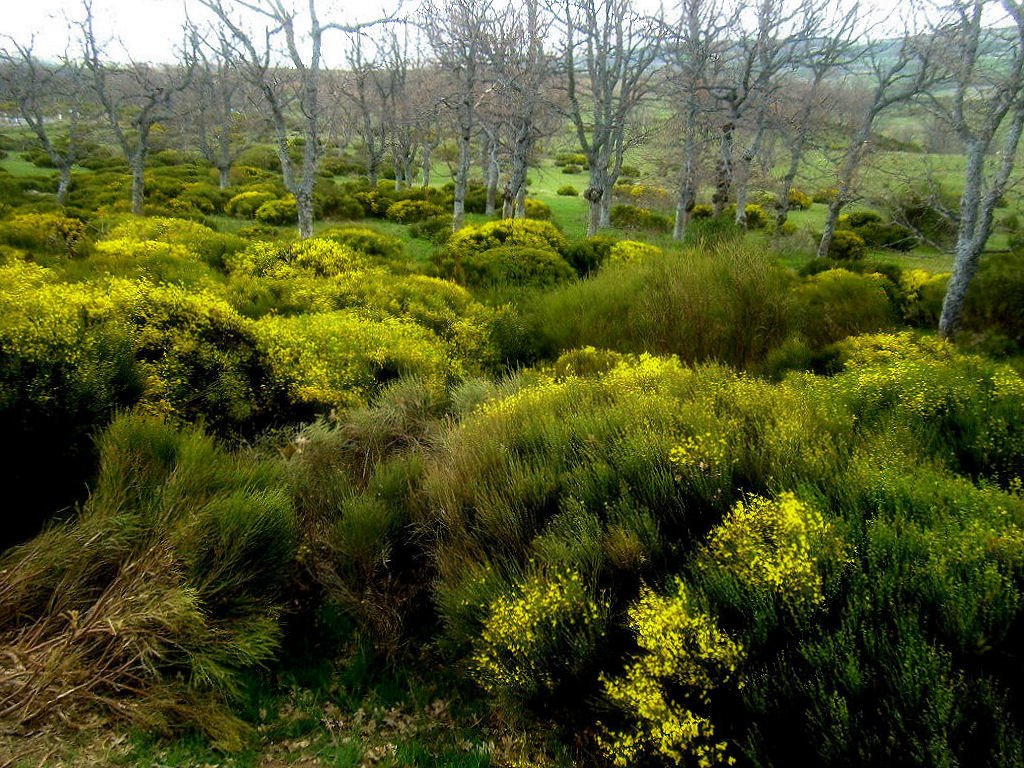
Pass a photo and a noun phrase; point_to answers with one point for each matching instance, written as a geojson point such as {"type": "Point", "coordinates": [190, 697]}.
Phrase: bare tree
{"type": "Point", "coordinates": [830, 46]}
{"type": "Point", "coordinates": [301, 86]}
{"type": "Point", "coordinates": [985, 63]}
{"type": "Point", "coordinates": [218, 108]}
{"type": "Point", "coordinates": [695, 48]}
{"type": "Point", "coordinates": [523, 72]}
{"type": "Point", "coordinates": [134, 97]}
{"type": "Point", "coordinates": [610, 49]}
{"type": "Point", "coordinates": [899, 70]}
{"type": "Point", "coordinates": [41, 92]}
{"type": "Point", "coordinates": [458, 32]}
{"type": "Point", "coordinates": [370, 90]}
{"type": "Point", "coordinates": [763, 57]}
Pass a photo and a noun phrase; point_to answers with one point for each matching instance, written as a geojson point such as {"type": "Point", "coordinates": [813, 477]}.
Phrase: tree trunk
{"type": "Point", "coordinates": [493, 172]}
{"type": "Point", "coordinates": [723, 171]}
{"type": "Point", "coordinates": [138, 164]}
{"type": "Point", "coordinates": [462, 175]}
{"type": "Point", "coordinates": [593, 196]}
{"type": "Point", "coordinates": [63, 185]}
{"type": "Point", "coordinates": [225, 176]}
{"type": "Point", "coordinates": [743, 183]}
{"type": "Point", "coordinates": [521, 203]}
{"type": "Point", "coordinates": [831, 219]}
{"type": "Point", "coordinates": [427, 157]}
{"type": "Point", "coordinates": [782, 203]}
{"type": "Point", "coordinates": [304, 203]}
{"type": "Point", "coordinates": [971, 237]}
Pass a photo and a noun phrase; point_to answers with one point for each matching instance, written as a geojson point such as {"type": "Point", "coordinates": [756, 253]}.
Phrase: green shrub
{"type": "Point", "coordinates": [537, 638]}
{"type": "Point", "coordinates": [757, 217]}
{"type": "Point", "coordinates": [923, 294]}
{"type": "Point", "coordinates": [245, 204]}
{"type": "Point", "coordinates": [825, 196]}
{"type": "Point", "coordinates": [586, 255]}
{"type": "Point", "coordinates": [856, 219]}
{"type": "Point", "coordinates": [633, 217]}
{"type": "Point", "coordinates": [518, 232]}
{"type": "Point", "coordinates": [314, 256]}
{"type": "Point", "coordinates": [409, 211]}
{"type": "Point", "coordinates": [701, 211]}
{"type": "Point", "coordinates": [46, 232]}
{"type": "Point", "coordinates": [64, 371]}
{"type": "Point", "coordinates": [515, 265]}
{"type": "Point", "coordinates": [212, 247]}
{"type": "Point", "coordinates": [933, 218]}
{"type": "Point", "coordinates": [338, 359]}
{"type": "Point", "coordinates": [887, 235]}
{"type": "Point", "coordinates": [537, 209]}
{"type": "Point", "coordinates": [993, 302]}
{"type": "Point", "coordinates": [437, 230]}
{"type": "Point", "coordinates": [632, 252]}
{"type": "Point", "coordinates": [572, 169]}
{"type": "Point", "coordinates": [568, 190]}
{"type": "Point", "coordinates": [278, 212]}
{"type": "Point", "coordinates": [835, 304]}
{"type": "Point", "coordinates": [570, 158]}
{"type": "Point", "coordinates": [729, 303]}
{"type": "Point", "coordinates": [366, 241]}
{"type": "Point", "coordinates": [846, 245]}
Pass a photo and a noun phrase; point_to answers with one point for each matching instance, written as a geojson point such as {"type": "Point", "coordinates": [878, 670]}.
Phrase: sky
{"type": "Point", "coordinates": [148, 30]}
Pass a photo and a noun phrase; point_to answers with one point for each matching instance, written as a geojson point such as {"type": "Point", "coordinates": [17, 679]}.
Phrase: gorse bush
{"type": "Point", "coordinates": [730, 304]}
{"type": "Point", "coordinates": [517, 232]}
{"type": "Point", "coordinates": [245, 204]}
{"type": "Point", "coordinates": [835, 304]}
{"type": "Point", "coordinates": [212, 247]}
{"type": "Point", "coordinates": [631, 252]}
{"type": "Point", "coordinates": [46, 232]}
{"type": "Point", "coordinates": [846, 245]}
{"type": "Point", "coordinates": [153, 603]}
{"type": "Point", "coordinates": [515, 265]}
{"type": "Point", "coordinates": [366, 241]}
{"type": "Point", "coordinates": [409, 211]}
{"type": "Point", "coordinates": [336, 359]}
{"type": "Point", "coordinates": [569, 492]}
{"type": "Point", "coordinates": [278, 212]}
{"type": "Point", "coordinates": [633, 217]}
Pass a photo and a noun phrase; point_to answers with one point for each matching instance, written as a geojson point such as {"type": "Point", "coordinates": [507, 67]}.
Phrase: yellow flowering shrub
{"type": "Point", "coordinates": [631, 252]}
{"type": "Point", "coordinates": [341, 358]}
{"type": "Point", "coordinates": [923, 293]}
{"type": "Point", "coordinates": [245, 204]}
{"type": "Point", "coordinates": [315, 257]}
{"type": "Point", "coordinates": [533, 639]}
{"type": "Point", "coordinates": [834, 304]}
{"type": "Point", "coordinates": [49, 232]}
{"type": "Point", "coordinates": [777, 545]}
{"type": "Point", "coordinates": [528, 233]}
{"type": "Point", "coordinates": [684, 651]}
{"type": "Point", "coordinates": [212, 247]}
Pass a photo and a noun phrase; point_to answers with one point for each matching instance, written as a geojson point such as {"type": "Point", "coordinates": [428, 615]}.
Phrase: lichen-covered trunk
{"type": "Point", "coordinates": [493, 174]}
{"type": "Point", "coordinates": [462, 179]}
{"type": "Point", "coordinates": [224, 174]}
{"type": "Point", "coordinates": [63, 184]}
{"type": "Point", "coordinates": [831, 219]}
{"type": "Point", "coordinates": [971, 236]}
{"type": "Point", "coordinates": [723, 170]}
{"type": "Point", "coordinates": [428, 152]}
{"type": "Point", "coordinates": [138, 165]}
{"type": "Point", "coordinates": [742, 178]}
{"type": "Point", "coordinates": [782, 203]}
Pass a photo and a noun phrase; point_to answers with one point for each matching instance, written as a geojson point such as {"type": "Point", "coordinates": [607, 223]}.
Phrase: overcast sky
{"type": "Point", "coordinates": [148, 29]}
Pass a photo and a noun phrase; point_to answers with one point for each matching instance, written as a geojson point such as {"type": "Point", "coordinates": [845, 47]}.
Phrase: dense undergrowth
{"type": "Point", "coordinates": [666, 505]}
